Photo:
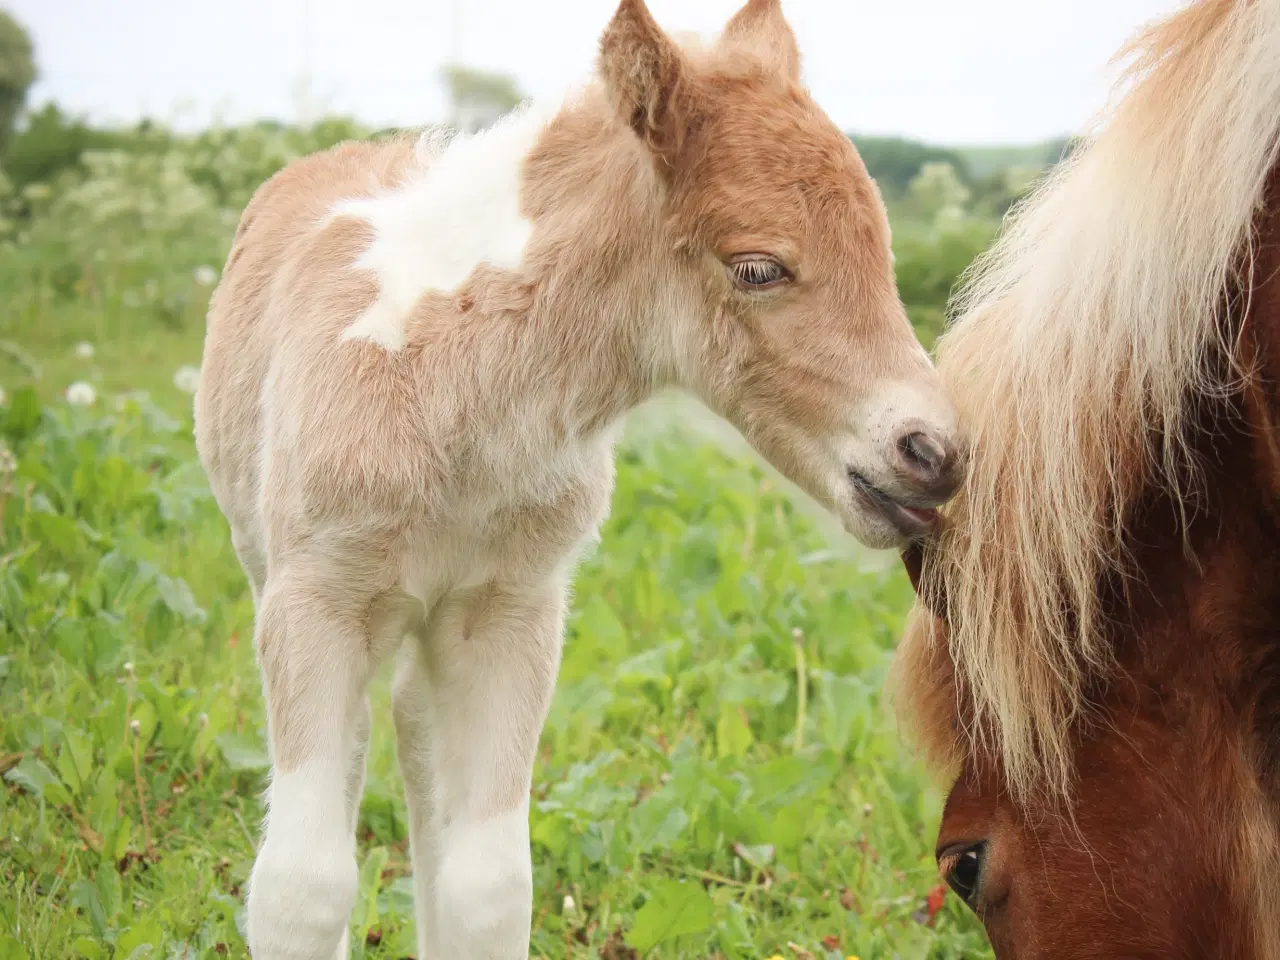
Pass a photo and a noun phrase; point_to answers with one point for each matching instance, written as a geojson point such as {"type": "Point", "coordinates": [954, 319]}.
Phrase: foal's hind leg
{"type": "Point", "coordinates": [470, 701]}
{"type": "Point", "coordinates": [315, 664]}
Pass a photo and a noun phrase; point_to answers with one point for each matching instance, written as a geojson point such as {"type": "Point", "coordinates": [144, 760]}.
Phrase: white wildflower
{"type": "Point", "coordinates": [569, 905]}
{"type": "Point", "coordinates": [205, 275]}
{"type": "Point", "coordinates": [84, 350]}
{"type": "Point", "coordinates": [186, 378]}
{"type": "Point", "coordinates": [81, 394]}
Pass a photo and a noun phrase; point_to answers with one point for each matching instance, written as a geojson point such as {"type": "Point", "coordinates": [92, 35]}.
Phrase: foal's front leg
{"type": "Point", "coordinates": [470, 697]}
{"type": "Point", "coordinates": [315, 665]}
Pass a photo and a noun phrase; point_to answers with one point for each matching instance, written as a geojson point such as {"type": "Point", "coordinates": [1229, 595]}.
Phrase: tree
{"type": "Point", "coordinates": [937, 188]}
{"type": "Point", "coordinates": [478, 98]}
{"type": "Point", "coordinates": [894, 162]}
{"type": "Point", "coordinates": [17, 73]}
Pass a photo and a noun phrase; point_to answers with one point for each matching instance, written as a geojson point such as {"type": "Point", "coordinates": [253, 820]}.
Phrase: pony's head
{"type": "Point", "coordinates": [1093, 658]}
{"type": "Point", "coordinates": [778, 271]}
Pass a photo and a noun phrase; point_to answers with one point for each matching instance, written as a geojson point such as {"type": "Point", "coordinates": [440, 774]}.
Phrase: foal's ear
{"type": "Point", "coordinates": [760, 28]}
{"type": "Point", "coordinates": [645, 73]}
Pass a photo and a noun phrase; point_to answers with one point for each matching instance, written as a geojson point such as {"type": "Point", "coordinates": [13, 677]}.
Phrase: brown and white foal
{"type": "Point", "coordinates": [416, 366]}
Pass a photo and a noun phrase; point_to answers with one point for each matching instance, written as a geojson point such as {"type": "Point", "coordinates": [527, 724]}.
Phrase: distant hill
{"type": "Point", "coordinates": [984, 161]}
{"type": "Point", "coordinates": [894, 161]}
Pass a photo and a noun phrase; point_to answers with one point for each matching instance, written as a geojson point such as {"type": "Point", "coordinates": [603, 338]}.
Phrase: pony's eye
{"type": "Point", "coordinates": [758, 271]}
{"type": "Point", "coordinates": [962, 870]}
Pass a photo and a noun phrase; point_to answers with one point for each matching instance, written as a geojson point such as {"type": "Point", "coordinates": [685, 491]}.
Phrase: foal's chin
{"type": "Point", "coordinates": [870, 527]}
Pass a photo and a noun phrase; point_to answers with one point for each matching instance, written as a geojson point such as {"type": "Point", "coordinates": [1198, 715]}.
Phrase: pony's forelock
{"type": "Point", "coordinates": [1084, 337]}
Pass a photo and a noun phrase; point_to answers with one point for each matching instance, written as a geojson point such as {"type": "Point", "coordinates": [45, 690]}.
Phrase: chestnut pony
{"type": "Point", "coordinates": [1095, 659]}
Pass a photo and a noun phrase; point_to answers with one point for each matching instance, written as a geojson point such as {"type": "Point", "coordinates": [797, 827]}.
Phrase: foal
{"type": "Point", "coordinates": [415, 369]}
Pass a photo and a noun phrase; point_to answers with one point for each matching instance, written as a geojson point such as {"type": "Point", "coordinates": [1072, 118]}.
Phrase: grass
{"type": "Point", "coordinates": [718, 777]}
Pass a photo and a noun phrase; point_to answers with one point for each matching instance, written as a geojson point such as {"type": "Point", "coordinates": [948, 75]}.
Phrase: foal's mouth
{"type": "Point", "coordinates": [907, 520]}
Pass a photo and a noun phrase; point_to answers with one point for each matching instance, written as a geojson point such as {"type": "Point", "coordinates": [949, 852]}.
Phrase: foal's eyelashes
{"type": "Point", "coordinates": [755, 272]}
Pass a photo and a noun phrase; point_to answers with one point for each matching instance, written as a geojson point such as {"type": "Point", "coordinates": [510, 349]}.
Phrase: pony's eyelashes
{"type": "Point", "coordinates": [961, 868]}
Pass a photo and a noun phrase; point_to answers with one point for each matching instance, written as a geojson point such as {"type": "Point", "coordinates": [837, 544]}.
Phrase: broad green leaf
{"type": "Point", "coordinates": [242, 752]}
{"type": "Point", "coordinates": [75, 760]}
{"type": "Point", "coordinates": [657, 822]}
{"type": "Point", "coordinates": [21, 414]}
{"type": "Point", "coordinates": [83, 895]}
{"type": "Point", "coordinates": [37, 778]}
{"type": "Point", "coordinates": [178, 598]}
{"type": "Point", "coordinates": [143, 939]}
{"type": "Point", "coordinates": [733, 733]}
{"type": "Point", "coordinates": [674, 909]}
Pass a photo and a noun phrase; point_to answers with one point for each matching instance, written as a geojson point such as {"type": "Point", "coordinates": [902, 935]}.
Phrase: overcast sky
{"type": "Point", "coordinates": [950, 71]}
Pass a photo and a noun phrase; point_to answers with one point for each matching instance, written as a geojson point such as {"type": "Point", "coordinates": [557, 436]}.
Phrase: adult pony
{"type": "Point", "coordinates": [1096, 654]}
{"type": "Point", "coordinates": [415, 367]}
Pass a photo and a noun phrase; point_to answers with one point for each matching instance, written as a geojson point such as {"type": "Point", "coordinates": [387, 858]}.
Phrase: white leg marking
{"type": "Point", "coordinates": [470, 703]}
{"type": "Point", "coordinates": [409, 697]}
{"type": "Point", "coordinates": [485, 887]}
{"type": "Point", "coordinates": [304, 880]}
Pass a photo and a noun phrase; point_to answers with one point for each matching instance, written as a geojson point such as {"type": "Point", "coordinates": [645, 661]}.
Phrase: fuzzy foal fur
{"type": "Point", "coordinates": [1096, 658]}
{"type": "Point", "coordinates": [415, 367]}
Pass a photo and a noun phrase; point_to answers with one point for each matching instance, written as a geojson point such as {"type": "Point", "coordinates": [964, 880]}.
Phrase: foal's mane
{"type": "Point", "coordinates": [1083, 342]}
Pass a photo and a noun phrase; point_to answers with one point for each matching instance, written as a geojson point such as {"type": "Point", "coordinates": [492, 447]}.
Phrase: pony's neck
{"type": "Point", "coordinates": [1196, 632]}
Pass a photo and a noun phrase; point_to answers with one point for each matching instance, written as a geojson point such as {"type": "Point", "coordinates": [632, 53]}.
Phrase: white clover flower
{"type": "Point", "coordinates": [85, 350]}
{"type": "Point", "coordinates": [569, 905]}
{"type": "Point", "coordinates": [81, 394]}
{"type": "Point", "coordinates": [186, 378]}
{"type": "Point", "coordinates": [205, 275]}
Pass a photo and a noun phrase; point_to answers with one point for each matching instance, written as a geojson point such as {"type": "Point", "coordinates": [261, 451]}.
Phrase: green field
{"type": "Point", "coordinates": [719, 777]}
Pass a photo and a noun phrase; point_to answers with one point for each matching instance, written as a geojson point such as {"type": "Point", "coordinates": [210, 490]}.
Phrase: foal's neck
{"type": "Point", "coordinates": [588, 322]}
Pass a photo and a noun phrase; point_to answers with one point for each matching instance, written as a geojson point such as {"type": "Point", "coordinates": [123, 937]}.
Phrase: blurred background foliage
{"type": "Point", "coordinates": [92, 200]}
{"type": "Point", "coordinates": [717, 737]}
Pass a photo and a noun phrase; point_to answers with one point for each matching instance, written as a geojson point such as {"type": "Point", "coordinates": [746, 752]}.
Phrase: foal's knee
{"type": "Point", "coordinates": [300, 903]}
{"type": "Point", "coordinates": [304, 881]}
{"type": "Point", "coordinates": [484, 888]}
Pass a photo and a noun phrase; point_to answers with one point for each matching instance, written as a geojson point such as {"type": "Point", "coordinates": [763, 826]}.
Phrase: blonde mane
{"type": "Point", "coordinates": [1083, 340]}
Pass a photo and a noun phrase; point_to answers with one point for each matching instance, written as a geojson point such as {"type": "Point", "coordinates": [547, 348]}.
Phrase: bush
{"type": "Point", "coordinates": [17, 73]}
{"type": "Point", "coordinates": [930, 262]}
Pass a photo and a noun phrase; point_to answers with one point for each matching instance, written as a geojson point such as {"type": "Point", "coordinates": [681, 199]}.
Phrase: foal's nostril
{"type": "Point", "coordinates": [922, 451]}
{"type": "Point", "coordinates": [928, 462]}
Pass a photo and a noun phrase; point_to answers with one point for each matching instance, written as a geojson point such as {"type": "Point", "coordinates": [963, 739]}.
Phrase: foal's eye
{"type": "Point", "coordinates": [962, 870]}
{"type": "Point", "coordinates": [758, 271]}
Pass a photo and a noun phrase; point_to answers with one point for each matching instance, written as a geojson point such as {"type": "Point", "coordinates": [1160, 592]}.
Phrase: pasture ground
{"type": "Point", "coordinates": [719, 776]}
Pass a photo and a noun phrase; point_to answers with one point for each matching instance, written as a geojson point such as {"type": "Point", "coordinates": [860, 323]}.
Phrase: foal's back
{"type": "Point", "coordinates": [273, 342]}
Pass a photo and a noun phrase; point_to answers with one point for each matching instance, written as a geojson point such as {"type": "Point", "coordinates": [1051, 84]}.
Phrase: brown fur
{"type": "Point", "coordinates": [416, 365]}
{"type": "Point", "coordinates": [1169, 845]}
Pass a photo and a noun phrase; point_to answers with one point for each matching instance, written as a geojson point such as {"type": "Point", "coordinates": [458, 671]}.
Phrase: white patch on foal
{"type": "Point", "coordinates": [461, 209]}
{"type": "Point", "coordinates": [485, 887]}
{"type": "Point", "coordinates": [304, 881]}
